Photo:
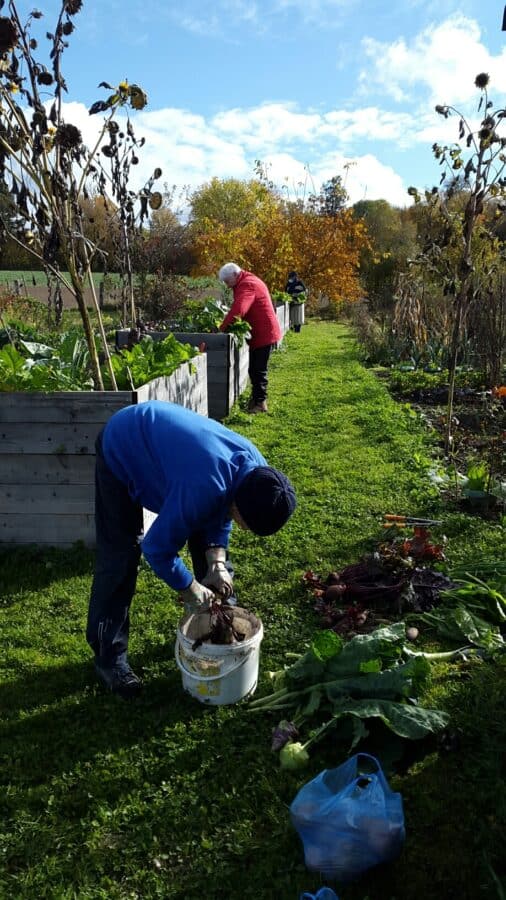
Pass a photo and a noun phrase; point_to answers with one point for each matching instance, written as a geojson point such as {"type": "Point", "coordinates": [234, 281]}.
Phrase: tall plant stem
{"type": "Point", "coordinates": [452, 369]}
{"type": "Point", "coordinates": [102, 330]}
{"type": "Point", "coordinates": [465, 270]}
{"type": "Point", "coordinates": [77, 283]}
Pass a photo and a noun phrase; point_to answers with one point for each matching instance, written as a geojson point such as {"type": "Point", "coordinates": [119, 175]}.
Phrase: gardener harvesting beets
{"type": "Point", "coordinates": [199, 477]}
{"type": "Point", "coordinates": [253, 303]}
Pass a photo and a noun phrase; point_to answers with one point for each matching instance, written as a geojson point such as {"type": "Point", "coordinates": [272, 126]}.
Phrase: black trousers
{"type": "Point", "coordinates": [119, 529]}
{"type": "Point", "coordinates": [257, 371]}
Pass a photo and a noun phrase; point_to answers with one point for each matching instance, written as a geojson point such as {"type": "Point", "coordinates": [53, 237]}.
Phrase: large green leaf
{"type": "Point", "coordinates": [364, 652]}
{"type": "Point", "coordinates": [406, 680]}
{"type": "Point", "coordinates": [407, 721]}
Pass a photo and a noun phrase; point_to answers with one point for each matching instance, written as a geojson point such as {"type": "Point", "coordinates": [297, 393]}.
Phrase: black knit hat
{"type": "Point", "coordinates": [265, 500]}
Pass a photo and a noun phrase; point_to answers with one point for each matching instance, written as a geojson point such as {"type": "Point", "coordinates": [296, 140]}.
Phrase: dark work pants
{"type": "Point", "coordinates": [119, 523]}
{"type": "Point", "coordinates": [257, 371]}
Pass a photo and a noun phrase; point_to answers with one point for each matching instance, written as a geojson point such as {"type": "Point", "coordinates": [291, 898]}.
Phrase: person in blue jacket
{"type": "Point", "coordinates": [198, 477]}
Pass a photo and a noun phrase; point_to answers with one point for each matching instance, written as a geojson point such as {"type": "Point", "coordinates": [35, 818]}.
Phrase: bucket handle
{"type": "Point", "coordinates": [207, 677]}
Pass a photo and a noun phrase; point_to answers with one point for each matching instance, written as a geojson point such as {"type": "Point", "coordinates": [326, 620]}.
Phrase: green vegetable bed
{"type": "Point", "coordinates": [166, 798]}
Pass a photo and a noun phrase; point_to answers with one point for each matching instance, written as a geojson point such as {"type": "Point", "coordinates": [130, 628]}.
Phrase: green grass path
{"type": "Point", "coordinates": [165, 798]}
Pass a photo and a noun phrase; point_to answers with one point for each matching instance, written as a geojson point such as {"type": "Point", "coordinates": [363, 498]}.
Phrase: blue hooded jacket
{"type": "Point", "coordinates": [182, 466]}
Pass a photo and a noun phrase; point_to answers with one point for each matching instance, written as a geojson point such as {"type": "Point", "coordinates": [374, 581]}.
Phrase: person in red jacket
{"type": "Point", "coordinates": [252, 302]}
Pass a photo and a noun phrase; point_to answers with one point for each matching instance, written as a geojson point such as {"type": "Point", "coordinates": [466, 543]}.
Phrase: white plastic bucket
{"type": "Point", "coordinates": [296, 314]}
{"type": "Point", "coordinates": [219, 674]}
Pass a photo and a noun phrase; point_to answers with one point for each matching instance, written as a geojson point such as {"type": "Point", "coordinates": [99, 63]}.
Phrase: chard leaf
{"type": "Point", "coordinates": [384, 644]}
{"type": "Point", "coordinates": [476, 630]}
{"type": "Point", "coordinates": [312, 704]}
{"type": "Point", "coordinates": [379, 649]}
{"type": "Point", "coordinates": [359, 732]}
{"type": "Point", "coordinates": [326, 644]}
{"type": "Point", "coordinates": [458, 624]}
{"type": "Point", "coordinates": [306, 671]}
{"type": "Point", "coordinates": [371, 665]}
{"type": "Point", "coordinates": [407, 680]}
{"type": "Point", "coordinates": [411, 722]}
{"type": "Point", "coordinates": [37, 350]}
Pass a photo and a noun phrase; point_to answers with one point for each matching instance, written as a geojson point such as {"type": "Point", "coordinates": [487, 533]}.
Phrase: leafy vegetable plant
{"type": "Point", "coordinates": [208, 317]}
{"type": "Point", "coordinates": [33, 366]}
{"type": "Point", "coordinates": [147, 360]}
{"type": "Point", "coordinates": [478, 477]}
{"type": "Point", "coordinates": [363, 678]}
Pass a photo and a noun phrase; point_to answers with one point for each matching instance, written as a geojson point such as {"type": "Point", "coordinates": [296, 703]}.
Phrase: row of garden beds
{"type": "Point", "coordinates": [47, 452]}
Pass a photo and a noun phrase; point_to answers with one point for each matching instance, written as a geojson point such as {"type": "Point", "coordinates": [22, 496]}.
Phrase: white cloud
{"type": "Point", "coordinates": [369, 123]}
{"type": "Point", "coordinates": [190, 150]}
{"type": "Point", "coordinates": [265, 126]}
{"type": "Point", "coordinates": [365, 178]}
{"type": "Point", "coordinates": [443, 58]}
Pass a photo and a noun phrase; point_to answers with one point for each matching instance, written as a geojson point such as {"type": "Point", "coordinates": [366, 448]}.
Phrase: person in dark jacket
{"type": "Point", "coordinates": [296, 288]}
{"type": "Point", "coordinates": [198, 477]}
{"type": "Point", "coordinates": [253, 303]}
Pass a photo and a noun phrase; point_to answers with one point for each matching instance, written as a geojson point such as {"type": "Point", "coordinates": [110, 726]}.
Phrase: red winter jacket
{"type": "Point", "coordinates": [253, 303]}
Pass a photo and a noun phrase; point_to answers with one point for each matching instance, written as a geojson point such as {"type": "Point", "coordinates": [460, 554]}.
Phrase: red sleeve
{"type": "Point", "coordinates": [244, 295]}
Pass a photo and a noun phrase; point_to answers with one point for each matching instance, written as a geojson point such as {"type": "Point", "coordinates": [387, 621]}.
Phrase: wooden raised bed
{"type": "Point", "coordinates": [227, 366]}
{"type": "Point", "coordinates": [283, 316]}
{"type": "Point", "coordinates": [47, 454]}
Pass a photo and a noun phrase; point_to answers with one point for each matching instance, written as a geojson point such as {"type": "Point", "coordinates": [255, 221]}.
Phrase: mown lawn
{"type": "Point", "coordinates": [165, 798]}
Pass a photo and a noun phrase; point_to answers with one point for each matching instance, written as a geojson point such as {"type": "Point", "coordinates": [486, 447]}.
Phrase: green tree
{"type": "Point", "coordinates": [228, 202]}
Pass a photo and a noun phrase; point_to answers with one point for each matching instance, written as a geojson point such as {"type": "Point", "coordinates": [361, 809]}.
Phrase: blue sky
{"type": "Point", "coordinates": [313, 88]}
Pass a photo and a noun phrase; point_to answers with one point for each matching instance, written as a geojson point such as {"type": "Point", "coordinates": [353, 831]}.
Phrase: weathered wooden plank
{"type": "Point", "coordinates": [28, 469]}
{"type": "Point", "coordinates": [48, 499]}
{"type": "Point", "coordinates": [218, 341]}
{"type": "Point", "coordinates": [80, 406]}
{"type": "Point", "coordinates": [186, 386]}
{"type": "Point", "coordinates": [49, 438]}
{"type": "Point", "coordinates": [44, 529]}
{"type": "Point", "coordinates": [241, 365]}
{"type": "Point", "coordinates": [219, 377]}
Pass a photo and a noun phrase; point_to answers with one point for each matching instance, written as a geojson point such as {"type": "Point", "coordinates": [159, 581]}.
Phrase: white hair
{"type": "Point", "coordinates": [227, 270]}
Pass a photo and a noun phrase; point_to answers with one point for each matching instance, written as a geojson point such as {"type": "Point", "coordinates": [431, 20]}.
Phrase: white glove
{"type": "Point", "coordinates": [217, 575]}
{"type": "Point", "coordinates": [197, 598]}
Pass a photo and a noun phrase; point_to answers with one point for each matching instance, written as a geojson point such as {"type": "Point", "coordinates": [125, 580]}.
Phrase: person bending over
{"type": "Point", "coordinates": [198, 477]}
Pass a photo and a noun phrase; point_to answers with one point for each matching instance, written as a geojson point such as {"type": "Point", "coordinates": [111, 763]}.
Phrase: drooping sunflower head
{"type": "Point", "coordinates": [72, 7]}
{"type": "Point", "coordinates": [482, 80]}
{"type": "Point", "coordinates": [138, 98]}
{"type": "Point", "coordinates": [8, 35]}
{"type": "Point", "coordinates": [68, 137]}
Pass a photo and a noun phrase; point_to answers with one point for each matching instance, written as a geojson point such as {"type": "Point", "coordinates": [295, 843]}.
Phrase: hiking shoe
{"type": "Point", "coordinates": [258, 407]}
{"type": "Point", "coordinates": [119, 678]}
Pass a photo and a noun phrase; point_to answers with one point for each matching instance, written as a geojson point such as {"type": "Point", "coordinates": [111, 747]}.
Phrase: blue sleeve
{"type": "Point", "coordinates": [161, 548]}
{"type": "Point", "coordinates": [218, 533]}
{"type": "Point", "coordinates": [181, 515]}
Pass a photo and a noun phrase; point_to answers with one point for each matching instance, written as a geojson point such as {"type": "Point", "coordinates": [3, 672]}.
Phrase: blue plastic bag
{"type": "Point", "coordinates": [348, 819]}
{"type": "Point", "coordinates": [325, 893]}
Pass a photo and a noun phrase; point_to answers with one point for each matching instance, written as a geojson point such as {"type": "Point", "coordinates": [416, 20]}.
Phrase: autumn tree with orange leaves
{"type": "Point", "coordinates": [321, 241]}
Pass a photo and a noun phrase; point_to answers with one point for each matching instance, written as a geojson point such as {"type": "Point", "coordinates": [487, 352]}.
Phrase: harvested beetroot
{"type": "Point", "coordinates": [222, 630]}
{"type": "Point", "coordinates": [334, 592]}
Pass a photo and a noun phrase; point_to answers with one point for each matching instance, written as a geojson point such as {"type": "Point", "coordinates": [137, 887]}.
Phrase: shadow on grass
{"type": "Point", "coordinates": [57, 717]}
{"type": "Point", "coordinates": [33, 568]}
{"type": "Point", "coordinates": [454, 802]}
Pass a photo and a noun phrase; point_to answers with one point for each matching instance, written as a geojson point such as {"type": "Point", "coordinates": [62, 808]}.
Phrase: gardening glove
{"type": "Point", "coordinates": [197, 598]}
{"type": "Point", "coordinates": [217, 575]}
